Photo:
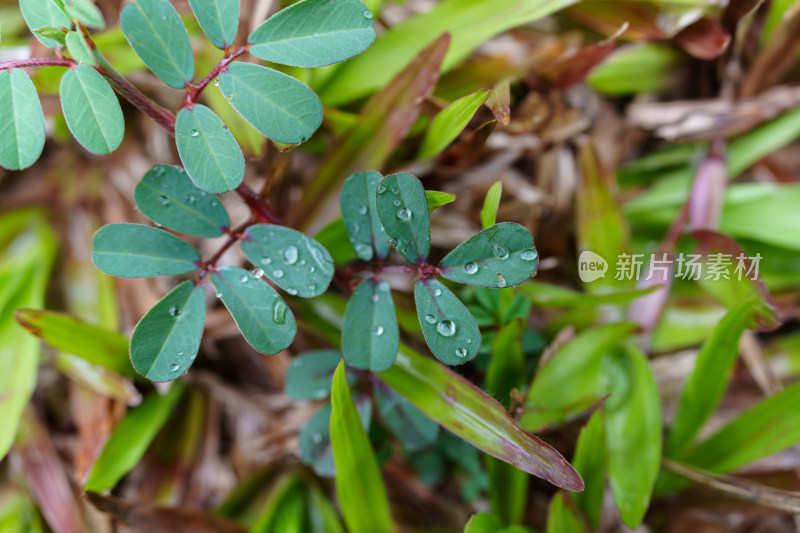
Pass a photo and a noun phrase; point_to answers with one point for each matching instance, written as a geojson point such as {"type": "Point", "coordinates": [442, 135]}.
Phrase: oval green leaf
{"type": "Point", "coordinates": [78, 49]}
{"type": "Point", "coordinates": [91, 110]}
{"type": "Point", "coordinates": [21, 120]}
{"type": "Point", "coordinates": [43, 14]}
{"type": "Point", "coordinates": [295, 262]}
{"type": "Point", "coordinates": [449, 122]}
{"type": "Point", "coordinates": [315, 437]}
{"type": "Point", "coordinates": [502, 255]}
{"type": "Point", "coordinates": [448, 327]}
{"type": "Point", "coordinates": [309, 375]}
{"type": "Point", "coordinates": [165, 342]}
{"type": "Point", "coordinates": [403, 209]}
{"type": "Point", "coordinates": [208, 151]}
{"type": "Point", "coordinates": [155, 32]}
{"type": "Point", "coordinates": [262, 316]}
{"type": "Point", "coordinates": [85, 12]}
{"type": "Point", "coordinates": [360, 215]}
{"type": "Point", "coordinates": [314, 33]}
{"type": "Point", "coordinates": [137, 251]}
{"type": "Point", "coordinates": [409, 425]}
{"type": "Point", "coordinates": [277, 105]}
{"type": "Point", "coordinates": [370, 336]}
{"type": "Point", "coordinates": [219, 20]}
{"type": "Point", "coordinates": [168, 197]}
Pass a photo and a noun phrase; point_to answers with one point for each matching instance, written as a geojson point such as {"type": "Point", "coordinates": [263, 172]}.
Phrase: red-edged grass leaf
{"type": "Point", "coordinates": [403, 210]}
{"type": "Point", "coordinates": [704, 39]}
{"type": "Point", "coordinates": [563, 517]}
{"type": "Point", "coordinates": [449, 122]}
{"type": "Point", "coordinates": [370, 335]}
{"type": "Point", "coordinates": [314, 33]}
{"type": "Point", "coordinates": [360, 215]}
{"type": "Point", "coordinates": [168, 197]}
{"type": "Point", "coordinates": [208, 151]}
{"type": "Point", "coordinates": [499, 102]}
{"type": "Point", "coordinates": [570, 69]}
{"type": "Point", "coordinates": [470, 413]}
{"type": "Point", "coordinates": [91, 110]}
{"type": "Point", "coordinates": [137, 251]}
{"type": "Point", "coordinates": [438, 199]}
{"type": "Point", "coordinates": [21, 120]}
{"type": "Point", "coordinates": [635, 69]}
{"type": "Point", "coordinates": [155, 32]}
{"type": "Point", "coordinates": [266, 322]}
{"type": "Point", "coordinates": [569, 383]}
{"type": "Point", "coordinates": [131, 438]}
{"type": "Point", "coordinates": [219, 20]}
{"type": "Point", "coordinates": [165, 342]}
{"type": "Point", "coordinates": [448, 327]}
{"type": "Point", "coordinates": [96, 345]}
{"type": "Point", "coordinates": [277, 105]}
{"type": "Point", "coordinates": [43, 14]}
{"type": "Point", "coordinates": [293, 261]}
{"type": "Point", "coordinates": [500, 256]}
{"type": "Point", "coordinates": [382, 124]}
{"type": "Point", "coordinates": [703, 389]}
{"type": "Point", "coordinates": [633, 432]}
{"type": "Point", "coordinates": [408, 424]}
{"type": "Point", "coordinates": [490, 205]}
{"type": "Point", "coordinates": [309, 375]}
{"type": "Point", "coordinates": [590, 461]}
{"type": "Point", "coordinates": [362, 495]}
{"type": "Point", "coordinates": [315, 437]}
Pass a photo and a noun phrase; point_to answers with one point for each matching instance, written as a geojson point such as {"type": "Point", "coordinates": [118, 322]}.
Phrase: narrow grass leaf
{"type": "Point", "coordinates": [21, 120]}
{"type": "Point", "coordinates": [403, 210]}
{"type": "Point", "coordinates": [437, 199]}
{"type": "Point", "coordinates": [590, 461]}
{"type": "Point", "coordinates": [315, 437]}
{"type": "Point", "coordinates": [491, 204]}
{"type": "Point", "coordinates": [448, 327]}
{"type": "Point", "coordinates": [449, 122]}
{"type": "Point", "coordinates": [563, 517]}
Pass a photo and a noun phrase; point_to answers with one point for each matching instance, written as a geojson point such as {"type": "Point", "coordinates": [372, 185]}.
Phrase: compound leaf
{"type": "Point", "coordinates": [370, 336]}
{"type": "Point", "coordinates": [165, 342]}
{"type": "Point", "coordinates": [309, 375]}
{"type": "Point", "coordinates": [360, 215]}
{"type": "Point", "coordinates": [21, 120]}
{"type": "Point", "coordinates": [43, 14]}
{"type": "Point", "coordinates": [91, 110]}
{"type": "Point", "coordinates": [403, 209]}
{"type": "Point", "coordinates": [448, 327]}
{"type": "Point", "coordinates": [168, 197]}
{"type": "Point", "coordinates": [219, 20]}
{"type": "Point", "coordinates": [412, 428]}
{"type": "Point", "coordinates": [138, 251]}
{"type": "Point", "coordinates": [261, 314]}
{"type": "Point", "coordinates": [449, 122]}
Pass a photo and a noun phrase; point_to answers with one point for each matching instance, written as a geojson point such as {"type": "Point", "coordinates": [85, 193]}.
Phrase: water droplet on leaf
{"type": "Point", "coordinates": [363, 251]}
{"type": "Point", "coordinates": [174, 310]}
{"type": "Point", "coordinates": [501, 281]}
{"type": "Point", "coordinates": [430, 319]}
{"type": "Point", "coordinates": [290, 255]}
{"type": "Point", "coordinates": [278, 274]}
{"type": "Point", "coordinates": [173, 367]}
{"type": "Point", "coordinates": [266, 261]}
{"type": "Point", "coordinates": [470, 268]}
{"type": "Point", "coordinates": [379, 330]}
{"type": "Point", "coordinates": [500, 252]}
{"type": "Point", "coordinates": [195, 133]}
{"type": "Point", "coordinates": [446, 328]}
{"type": "Point", "coordinates": [367, 14]}
{"type": "Point", "coordinates": [528, 255]}
{"type": "Point", "coordinates": [279, 312]}
{"type": "Point", "coordinates": [404, 214]}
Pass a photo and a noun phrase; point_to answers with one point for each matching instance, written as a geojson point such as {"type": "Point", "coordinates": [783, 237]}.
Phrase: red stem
{"type": "Point", "coordinates": [234, 236]}
{"type": "Point", "coordinates": [193, 91]}
{"type": "Point", "coordinates": [38, 62]}
{"type": "Point", "coordinates": [257, 206]}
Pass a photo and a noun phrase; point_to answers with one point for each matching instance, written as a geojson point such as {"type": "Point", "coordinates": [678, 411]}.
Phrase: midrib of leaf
{"type": "Point", "coordinates": [264, 98]}
{"type": "Point", "coordinates": [210, 149]}
{"type": "Point", "coordinates": [169, 333]}
{"type": "Point", "coordinates": [410, 225]}
{"type": "Point", "coordinates": [185, 205]}
{"type": "Point", "coordinates": [93, 110]}
{"type": "Point", "coordinates": [246, 306]}
{"type": "Point", "coordinates": [163, 44]}
{"type": "Point", "coordinates": [148, 255]}
{"type": "Point", "coordinates": [309, 36]}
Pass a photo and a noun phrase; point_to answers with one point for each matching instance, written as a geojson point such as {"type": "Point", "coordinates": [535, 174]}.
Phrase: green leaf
{"type": "Point", "coordinates": [309, 375]}
{"type": "Point", "coordinates": [457, 405]}
{"type": "Point", "coordinates": [703, 389]}
{"type": "Point", "coordinates": [438, 199]}
{"type": "Point", "coordinates": [276, 104]}
{"type": "Point", "coordinates": [41, 14]}
{"type": "Point", "coordinates": [91, 110]}
{"type": "Point", "coordinates": [56, 34]}
{"type": "Point", "coordinates": [208, 151]}
{"type": "Point", "coordinates": [165, 342]}
{"type": "Point", "coordinates": [633, 432]}
{"type": "Point", "coordinates": [448, 327]}
{"type": "Point", "coordinates": [409, 425]}
{"type": "Point", "coordinates": [78, 49]}
{"type": "Point", "coordinates": [563, 517]}
{"type": "Point", "coordinates": [295, 262]}
{"type": "Point", "coordinates": [360, 215]}
{"type": "Point", "coordinates": [315, 438]}
{"type": "Point", "coordinates": [403, 210]}
{"type": "Point", "coordinates": [508, 490]}
{"type": "Point", "coordinates": [507, 369]}
{"type": "Point", "coordinates": [137, 251]}
{"type": "Point", "coordinates": [483, 523]}
{"type": "Point", "coordinates": [362, 495]}
{"type": "Point", "coordinates": [21, 120]}
{"type": "Point", "coordinates": [219, 20]}
{"type": "Point", "coordinates": [370, 335]}
{"type": "Point", "coordinates": [314, 33]}
{"type": "Point", "coordinates": [85, 12]}
{"type": "Point", "coordinates": [167, 196]}
{"type": "Point", "coordinates": [449, 122]}
{"type": "Point", "coordinates": [155, 32]}
{"type": "Point", "coordinates": [131, 438]}
{"type": "Point", "coordinates": [640, 68]}
{"type": "Point", "coordinates": [96, 345]}
{"type": "Point", "coordinates": [500, 256]}
{"type": "Point", "coordinates": [590, 461]}
{"type": "Point", "coordinates": [490, 205]}
{"type": "Point", "coordinates": [262, 316]}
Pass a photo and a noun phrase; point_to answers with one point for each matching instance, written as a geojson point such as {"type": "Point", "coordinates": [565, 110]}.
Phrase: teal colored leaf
{"type": "Point", "coordinates": [490, 205]}
{"type": "Point", "coordinates": [219, 20]}
{"type": "Point", "coordinates": [168, 197]}
{"type": "Point", "coordinates": [315, 437]}
{"type": "Point", "coordinates": [408, 424]}
{"type": "Point", "coordinates": [137, 251]}
{"type": "Point", "coordinates": [448, 327]}
{"type": "Point", "coordinates": [438, 199]}
{"type": "Point", "coordinates": [165, 342]}
{"type": "Point", "coordinates": [362, 494]}
{"type": "Point", "coordinates": [157, 35]}
{"type": "Point", "coordinates": [21, 120]}
{"type": "Point", "coordinates": [403, 209]}
{"type": "Point", "coordinates": [277, 105]}
{"type": "Point", "coordinates": [262, 316]}
{"type": "Point", "coordinates": [85, 12]}
{"type": "Point", "coordinates": [309, 375]}
{"type": "Point", "coordinates": [449, 122]}
{"type": "Point", "coordinates": [314, 33]}
{"type": "Point", "coordinates": [295, 262]}
{"type": "Point", "coordinates": [208, 151]}
{"type": "Point", "coordinates": [563, 517]}
{"type": "Point", "coordinates": [78, 49]}
{"type": "Point", "coordinates": [43, 14]}
{"type": "Point", "coordinates": [499, 256]}
{"type": "Point", "coordinates": [91, 110]}
{"type": "Point", "coordinates": [590, 462]}
{"type": "Point", "coordinates": [131, 438]}
{"type": "Point", "coordinates": [370, 336]}
{"type": "Point", "coordinates": [360, 215]}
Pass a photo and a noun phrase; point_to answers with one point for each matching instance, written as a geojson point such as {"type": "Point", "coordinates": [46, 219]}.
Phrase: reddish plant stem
{"type": "Point", "coordinates": [38, 62]}
{"type": "Point", "coordinates": [257, 205]}
{"type": "Point", "coordinates": [234, 236]}
{"type": "Point", "coordinates": [193, 91]}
